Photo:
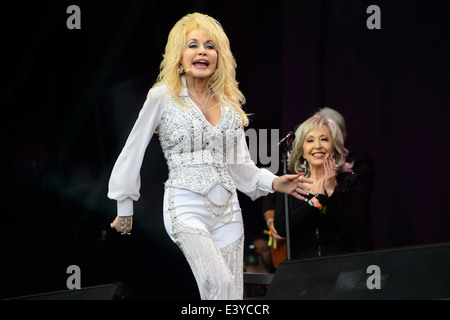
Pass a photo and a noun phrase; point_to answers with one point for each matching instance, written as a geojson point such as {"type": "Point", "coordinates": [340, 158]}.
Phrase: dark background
{"type": "Point", "coordinates": [70, 97]}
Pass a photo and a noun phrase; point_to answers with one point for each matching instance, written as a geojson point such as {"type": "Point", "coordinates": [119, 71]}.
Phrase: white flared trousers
{"type": "Point", "coordinates": [211, 243]}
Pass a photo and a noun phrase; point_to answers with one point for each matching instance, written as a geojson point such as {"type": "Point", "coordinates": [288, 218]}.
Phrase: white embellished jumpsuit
{"type": "Point", "coordinates": [206, 165]}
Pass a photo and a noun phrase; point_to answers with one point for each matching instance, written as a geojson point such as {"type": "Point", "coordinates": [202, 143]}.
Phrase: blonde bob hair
{"type": "Point", "coordinates": [223, 84]}
{"type": "Point", "coordinates": [296, 159]}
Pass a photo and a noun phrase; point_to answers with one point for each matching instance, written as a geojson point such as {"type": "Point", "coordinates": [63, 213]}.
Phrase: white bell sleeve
{"type": "Point", "coordinates": [250, 180]}
{"type": "Point", "coordinates": [125, 181]}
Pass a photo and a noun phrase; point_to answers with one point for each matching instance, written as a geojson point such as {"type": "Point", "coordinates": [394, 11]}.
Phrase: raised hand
{"type": "Point", "coordinates": [328, 182]}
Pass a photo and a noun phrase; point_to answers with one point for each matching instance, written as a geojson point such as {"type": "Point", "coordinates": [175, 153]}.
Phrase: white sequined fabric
{"type": "Point", "coordinates": [197, 152]}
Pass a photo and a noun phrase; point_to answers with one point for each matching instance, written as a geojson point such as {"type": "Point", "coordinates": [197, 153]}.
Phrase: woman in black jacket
{"type": "Point", "coordinates": [335, 219]}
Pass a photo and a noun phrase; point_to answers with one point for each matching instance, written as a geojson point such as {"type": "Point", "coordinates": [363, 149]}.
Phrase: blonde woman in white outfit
{"type": "Point", "coordinates": [195, 107]}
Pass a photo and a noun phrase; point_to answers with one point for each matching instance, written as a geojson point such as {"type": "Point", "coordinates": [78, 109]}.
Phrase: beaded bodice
{"type": "Point", "coordinates": [197, 152]}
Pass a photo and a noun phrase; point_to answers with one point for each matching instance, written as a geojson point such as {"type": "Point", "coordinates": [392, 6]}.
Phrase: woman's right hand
{"type": "Point", "coordinates": [274, 232]}
{"type": "Point", "coordinates": [123, 224]}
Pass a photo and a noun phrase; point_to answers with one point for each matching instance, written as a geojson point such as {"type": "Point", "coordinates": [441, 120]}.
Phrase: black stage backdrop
{"type": "Point", "coordinates": [70, 97]}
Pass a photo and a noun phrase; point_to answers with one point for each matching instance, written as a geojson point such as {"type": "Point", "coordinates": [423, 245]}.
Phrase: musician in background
{"type": "Point", "coordinates": [257, 256]}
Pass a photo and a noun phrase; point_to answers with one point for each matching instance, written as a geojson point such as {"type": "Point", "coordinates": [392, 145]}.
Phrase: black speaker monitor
{"type": "Point", "coordinates": [421, 272]}
{"type": "Point", "coordinates": [115, 291]}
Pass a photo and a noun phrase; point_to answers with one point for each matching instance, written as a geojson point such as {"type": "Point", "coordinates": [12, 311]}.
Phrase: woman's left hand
{"type": "Point", "coordinates": [292, 184]}
{"type": "Point", "coordinates": [329, 180]}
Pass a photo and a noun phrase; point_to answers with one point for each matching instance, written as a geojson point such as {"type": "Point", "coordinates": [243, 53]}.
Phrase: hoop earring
{"type": "Point", "coordinates": [304, 166]}
{"type": "Point", "coordinates": [180, 70]}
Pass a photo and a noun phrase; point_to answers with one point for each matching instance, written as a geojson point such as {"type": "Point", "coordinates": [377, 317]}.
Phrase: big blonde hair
{"type": "Point", "coordinates": [222, 83]}
{"type": "Point", "coordinates": [296, 158]}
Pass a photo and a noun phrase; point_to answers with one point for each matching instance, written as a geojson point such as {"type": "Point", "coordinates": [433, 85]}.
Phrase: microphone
{"type": "Point", "coordinates": [285, 143]}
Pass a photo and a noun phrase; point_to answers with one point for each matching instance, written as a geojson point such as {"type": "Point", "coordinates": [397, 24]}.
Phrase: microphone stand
{"type": "Point", "coordinates": [286, 208]}
{"type": "Point", "coordinates": [285, 144]}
